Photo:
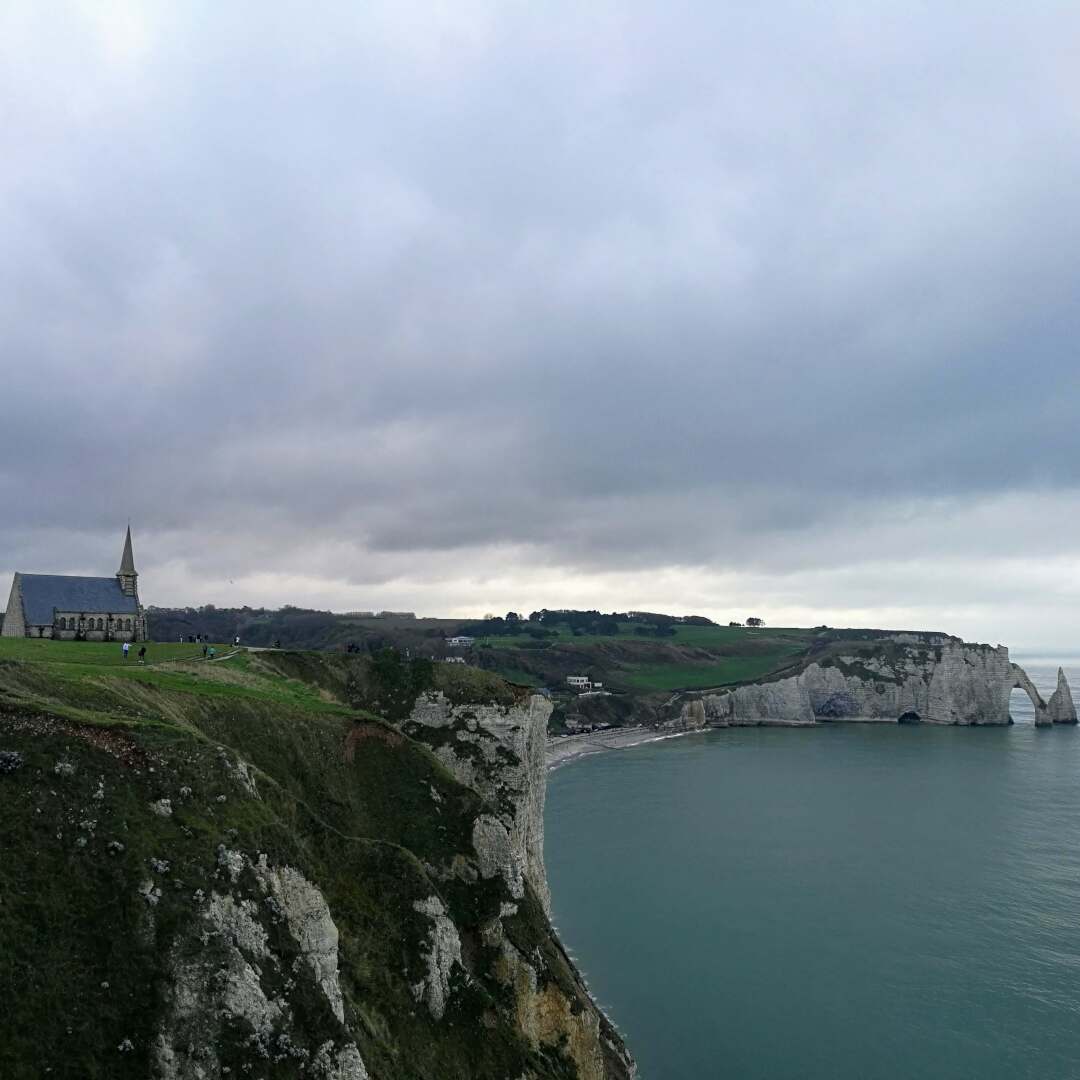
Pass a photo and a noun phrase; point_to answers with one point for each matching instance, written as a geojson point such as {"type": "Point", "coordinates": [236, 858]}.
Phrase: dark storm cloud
{"type": "Point", "coordinates": [634, 285]}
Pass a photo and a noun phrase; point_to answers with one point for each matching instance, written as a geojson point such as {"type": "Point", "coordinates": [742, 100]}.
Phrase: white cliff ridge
{"type": "Point", "coordinates": [899, 679]}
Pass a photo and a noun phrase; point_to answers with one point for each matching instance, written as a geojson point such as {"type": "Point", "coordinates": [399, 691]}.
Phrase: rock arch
{"type": "Point", "coordinates": [1020, 681]}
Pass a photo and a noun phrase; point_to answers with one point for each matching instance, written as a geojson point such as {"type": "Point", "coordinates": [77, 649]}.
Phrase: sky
{"type": "Point", "coordinates": [702, 307]}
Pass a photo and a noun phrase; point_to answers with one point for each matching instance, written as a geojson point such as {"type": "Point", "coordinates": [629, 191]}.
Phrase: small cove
{"type": "Point", "coordinates": [846, 901]}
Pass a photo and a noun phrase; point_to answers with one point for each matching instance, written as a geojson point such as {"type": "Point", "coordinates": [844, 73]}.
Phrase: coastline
{"type": "Point", "coordinates": [562, 749]}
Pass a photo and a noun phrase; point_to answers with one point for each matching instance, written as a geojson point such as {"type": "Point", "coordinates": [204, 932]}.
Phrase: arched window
{"type": "Point", "coordinates": [127, 624]}
{"type": "Point", "coordinates": [63, 624]}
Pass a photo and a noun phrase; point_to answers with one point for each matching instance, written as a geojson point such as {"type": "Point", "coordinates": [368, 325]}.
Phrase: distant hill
{"type": "Point", "coordinates": [639, 657]}
{"type": "Point", "coordinates": [302, 628]}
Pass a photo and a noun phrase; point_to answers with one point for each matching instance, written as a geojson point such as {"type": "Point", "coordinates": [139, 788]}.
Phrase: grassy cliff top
{"type": "Point", "coordinates": [129, 793]}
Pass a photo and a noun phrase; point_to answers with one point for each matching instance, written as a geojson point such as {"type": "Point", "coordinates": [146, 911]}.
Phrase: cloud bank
{"type": "Point", "coordinates": [689, 306]}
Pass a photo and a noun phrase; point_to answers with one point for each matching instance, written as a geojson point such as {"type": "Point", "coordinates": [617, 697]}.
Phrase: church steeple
{"type": "Point", "coordinates": [127, 575]}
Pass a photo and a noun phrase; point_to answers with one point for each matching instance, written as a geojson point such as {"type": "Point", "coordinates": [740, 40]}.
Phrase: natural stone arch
{"type": "Point", "coordinates": [1020, 681]}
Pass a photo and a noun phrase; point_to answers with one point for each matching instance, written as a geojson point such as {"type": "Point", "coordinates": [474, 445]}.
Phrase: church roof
{"type": "Point", "coordinates": [43, 594]}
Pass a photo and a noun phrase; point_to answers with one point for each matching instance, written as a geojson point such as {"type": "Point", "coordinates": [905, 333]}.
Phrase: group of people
{"type": "Point", "coordinates": [142, 652]}
{"type": "Point", "coordinates": [208, 650]}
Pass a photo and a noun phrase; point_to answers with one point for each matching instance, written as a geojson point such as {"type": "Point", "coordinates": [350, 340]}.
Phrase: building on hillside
{"type": "Point", "coordinates": [579, 682]}
{"type": "Point", "coordinates": [454, 660]}
{"type": "Point", "coordinates": [81, 608]}
{"type": "Point", "coordinates": [460, 642]}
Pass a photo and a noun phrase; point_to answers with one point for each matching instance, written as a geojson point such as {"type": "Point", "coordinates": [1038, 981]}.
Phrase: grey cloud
{"type": "Point", "coordinates": [623, 287]}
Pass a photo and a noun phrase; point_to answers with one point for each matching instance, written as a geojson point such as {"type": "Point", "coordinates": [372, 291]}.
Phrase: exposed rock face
{"type": "Point", "coordinates": [308, 919]}
{"type": "Point", "coordinates": [395, 926]}
{"type": "Point", "coordinates": [1060, 707]}
{"type": "Point", "coordinates": [220, 971]}
{"type": "Point", "coordinates": [946, 681]}
{"type": "Point", "coordinates": [501, 752]}
{"type": "Point", "coordinates": [442, 953]}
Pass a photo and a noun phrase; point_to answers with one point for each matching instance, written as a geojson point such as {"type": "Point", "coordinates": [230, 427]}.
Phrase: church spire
{"type": "Point", "coordinates": [127, 575]}
{"type": "Point", "coordinates": [127, 560]}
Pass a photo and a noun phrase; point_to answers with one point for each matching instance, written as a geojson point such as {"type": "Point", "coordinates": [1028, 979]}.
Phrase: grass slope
{"type": "Point", "coordinates": [694, 657]}
{"type": "Point", "coordinates": [365, 812]}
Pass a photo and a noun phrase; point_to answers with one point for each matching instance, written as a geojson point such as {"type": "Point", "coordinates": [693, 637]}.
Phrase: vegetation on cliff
{"type": "Point", "coordinates": [247, 868]}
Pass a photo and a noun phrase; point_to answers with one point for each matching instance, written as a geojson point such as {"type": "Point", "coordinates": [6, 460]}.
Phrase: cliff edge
{"type": "Point", "coordinates": [280, 866]}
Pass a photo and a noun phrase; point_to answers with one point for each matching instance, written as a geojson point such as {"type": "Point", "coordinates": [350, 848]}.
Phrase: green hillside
{"type": "Point", "coordinates": [689, 657]}
{"type": "Point", "coordinates": [142, 802]}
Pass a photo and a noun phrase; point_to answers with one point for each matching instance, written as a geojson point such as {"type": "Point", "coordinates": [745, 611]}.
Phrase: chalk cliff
{"type": "Point", "coordinates": [1060, 707]}
{"type": "Point", "coordinates": [242, 870]}
{"type": "Point", "coordinates": [901, 678]}
{"type": "Point", "coordinates": [500, 751]}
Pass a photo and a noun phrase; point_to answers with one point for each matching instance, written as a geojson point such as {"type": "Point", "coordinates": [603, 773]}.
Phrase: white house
{"type": "Point", "coordinates": [578, 682]}
{"type": "Point", "coordinates": [460, 642]}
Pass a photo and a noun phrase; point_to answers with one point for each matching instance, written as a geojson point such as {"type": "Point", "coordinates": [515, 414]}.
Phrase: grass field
{"type": "Point", "coordinates": [694, 657]}
{"type": "Point", "coordinates": [698, 636]}
{"type": "Point", "coordinates": [98, 653]}
{"type": "Point", "coordinates": [703, 676]}
{"type": "Point", "coordinates": [97, 673]}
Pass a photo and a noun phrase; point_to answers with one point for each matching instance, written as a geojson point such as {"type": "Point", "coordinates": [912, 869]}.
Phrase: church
{"type": "Point", "coordinates": [80, 608]}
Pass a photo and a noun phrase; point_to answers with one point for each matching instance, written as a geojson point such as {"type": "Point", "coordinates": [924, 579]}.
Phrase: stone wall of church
{"type": "Point", "coordinates": [73, 624]}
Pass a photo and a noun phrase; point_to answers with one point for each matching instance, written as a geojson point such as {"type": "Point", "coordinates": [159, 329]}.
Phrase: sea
{"type": "Point", "coordinates": [844, 902]}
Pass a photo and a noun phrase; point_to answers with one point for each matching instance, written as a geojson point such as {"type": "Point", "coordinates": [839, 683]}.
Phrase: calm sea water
{"type": "Point", "coordinates": [845, 903]}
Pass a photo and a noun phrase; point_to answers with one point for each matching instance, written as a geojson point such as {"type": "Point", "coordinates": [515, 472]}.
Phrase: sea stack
{"type": "Point", "coordinates": [1060, 706]}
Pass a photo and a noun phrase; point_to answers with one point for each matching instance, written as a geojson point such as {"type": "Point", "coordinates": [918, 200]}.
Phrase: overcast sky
{"type": "Point", "coordinates": [457, 307]}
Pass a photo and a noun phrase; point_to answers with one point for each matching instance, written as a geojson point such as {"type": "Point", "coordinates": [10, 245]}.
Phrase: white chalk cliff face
{"type": "Point", "coordinates": [500, 752]}
{"type": "Point", "coordinates": [899, 679]}
{"type": "Point", "coordinates": [1060, 707]}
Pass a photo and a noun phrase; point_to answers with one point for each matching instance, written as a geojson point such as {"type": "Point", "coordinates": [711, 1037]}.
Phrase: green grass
{"type": "Point", "coordinates": [97, 653]}
{"type": "Point", "coordinates": [517, 675]}
{"type": "Point", "coordinates": [95, 674]}
{"type": "Point", "coordinates": [737, 669]}
{"type": "Point", "coordinates": [699, 636]}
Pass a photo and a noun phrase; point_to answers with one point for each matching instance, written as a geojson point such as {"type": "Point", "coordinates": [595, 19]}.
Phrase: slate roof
{"type": "Point", "coordinates": [42, 594]}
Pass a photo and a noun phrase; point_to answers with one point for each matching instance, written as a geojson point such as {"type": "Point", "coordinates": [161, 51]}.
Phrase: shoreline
{"type": "Point", "coordinates": [563, 749]}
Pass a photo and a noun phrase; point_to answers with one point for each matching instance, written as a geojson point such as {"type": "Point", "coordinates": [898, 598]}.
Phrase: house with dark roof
{"type": "Point", "coordinates": [82, 608]}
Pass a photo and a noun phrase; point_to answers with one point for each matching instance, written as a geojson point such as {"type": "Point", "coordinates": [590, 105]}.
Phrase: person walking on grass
{"type": "Point", "coordinates": [211, 652]}
{"type": "Point", "coordinates": [204, 652]}
{"type": "Point", "coordinates": [127, 649]}
{"type": "Point", "coordinates": [236, 642]}
{"type": "Point", "coordinates": [142, 655]}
